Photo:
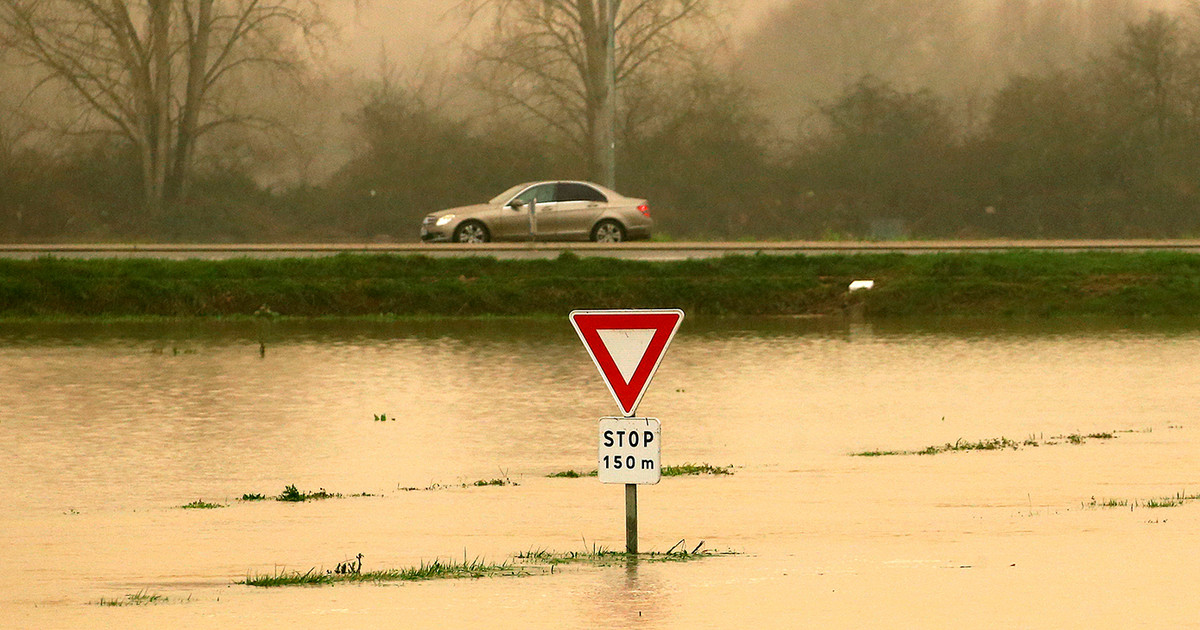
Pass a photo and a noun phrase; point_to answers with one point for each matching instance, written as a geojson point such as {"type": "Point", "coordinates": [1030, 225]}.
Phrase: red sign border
{"type": "Point", "coordinates": [664, 322]}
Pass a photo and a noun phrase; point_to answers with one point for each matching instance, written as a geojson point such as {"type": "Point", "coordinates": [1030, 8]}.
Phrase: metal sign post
{"type": "Point", "coordinates": [533, 219]}
{"type": "Point", "coordinates": [627, 346]}
{"type": "Point", "coordinates": [631, 534]}
{"type": "Point", "coordinates": [630, 453]}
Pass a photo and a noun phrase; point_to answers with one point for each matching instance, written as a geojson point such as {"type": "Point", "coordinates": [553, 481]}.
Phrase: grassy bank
{"type": "Point", "coordinates": [1017, 284]}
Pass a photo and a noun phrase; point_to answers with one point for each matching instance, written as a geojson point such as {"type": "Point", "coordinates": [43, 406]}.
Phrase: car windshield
{"type": "Point", "coordinates": [508, 194]}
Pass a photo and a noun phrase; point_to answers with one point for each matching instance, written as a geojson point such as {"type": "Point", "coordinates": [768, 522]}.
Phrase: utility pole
{"type": "Point", "coordinates": [608, 113]}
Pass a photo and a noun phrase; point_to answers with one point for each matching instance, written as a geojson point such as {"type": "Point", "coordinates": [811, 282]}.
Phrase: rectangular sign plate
{"type": "Point", "coordinates": [630, 451]}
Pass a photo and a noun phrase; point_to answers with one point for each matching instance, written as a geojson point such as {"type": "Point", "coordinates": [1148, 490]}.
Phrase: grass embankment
{"type": "Point", "coordinates": [1019, 284]}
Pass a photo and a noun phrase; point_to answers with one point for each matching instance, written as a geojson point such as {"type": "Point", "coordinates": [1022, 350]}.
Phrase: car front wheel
{"type": "Point", "coordinates": [471, 232]}
{"type": "Point", "coordinates": [608, 231]}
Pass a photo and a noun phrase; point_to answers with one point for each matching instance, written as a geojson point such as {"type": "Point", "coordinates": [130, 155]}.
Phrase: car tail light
{"type": "Point", "coordinates": [644, 209]}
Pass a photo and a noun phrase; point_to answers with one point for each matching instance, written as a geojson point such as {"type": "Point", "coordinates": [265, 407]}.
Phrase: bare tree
{"type": "Point", "coordinates": [155, 71]}
{"type": "Point", "coordinates": [546, 58]}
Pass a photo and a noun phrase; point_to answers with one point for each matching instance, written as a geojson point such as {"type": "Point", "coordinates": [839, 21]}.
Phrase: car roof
{"type": "Point", "coordinates": [607, 191]}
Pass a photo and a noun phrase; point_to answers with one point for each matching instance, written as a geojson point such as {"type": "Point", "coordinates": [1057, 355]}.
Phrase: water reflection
{"type": "Point", "coordinates": [634, 597]}
{"type": "Point", "coordinates": [132, 414]}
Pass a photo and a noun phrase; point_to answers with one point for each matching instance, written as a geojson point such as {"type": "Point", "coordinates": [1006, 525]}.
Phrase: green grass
{"type": "Point", "coordinates": [480, 483]}
{"type": "Point", "coordinates": [501, 481]}
{"type": "Point", "coordinates": [140, 598]}
{"type": "Point", "coordinates": [1008, 284]}
{"type": "Point", "coordinates": [597, 555]}
{"type": "Point", "coordinates": [992, 444]}
{"type": "Point", "coordinates": [434, 570]}
{"type": "Point", "coordinates": [1108, 503]}
{"type": "Point", "coordinates": [533, 562]}
{"type": "Point", "coordinates": [684, 470]}
{"type": "Point", "coordinates": [1175, 500]}
{"type": "Point", "coordinates": [681, 470]}
{"type": "Point", "coordinates": [201, 505]}
{"type": "Point", "coordinates": [571, 474]}
{"type": "Point", "coordinates": [291, 495]}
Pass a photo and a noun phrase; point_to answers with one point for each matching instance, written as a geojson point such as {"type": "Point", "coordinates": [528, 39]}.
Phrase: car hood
{"type": "Point", "coordinates": [463, 210]}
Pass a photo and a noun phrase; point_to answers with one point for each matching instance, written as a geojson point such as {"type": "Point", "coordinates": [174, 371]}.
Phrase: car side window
{"type": "Point", "coordinates": [571, 191]}
{"type": "Point", "coordinates": [544, 193]}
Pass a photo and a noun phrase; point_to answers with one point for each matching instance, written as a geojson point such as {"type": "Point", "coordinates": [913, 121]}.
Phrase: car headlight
{"type": "Point", "coordinates": [444, 220]}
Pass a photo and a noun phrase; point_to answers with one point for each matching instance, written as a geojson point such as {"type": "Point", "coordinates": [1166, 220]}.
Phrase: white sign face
{"type": "Point", "coordinates": [630, 451]}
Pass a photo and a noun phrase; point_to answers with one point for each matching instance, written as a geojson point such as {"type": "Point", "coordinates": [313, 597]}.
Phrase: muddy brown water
{"type": "Point", "coordinates": [106, 430]}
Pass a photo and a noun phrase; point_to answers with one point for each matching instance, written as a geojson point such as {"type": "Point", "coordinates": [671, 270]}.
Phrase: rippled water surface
{"type": "Point", "coordinates": [106, 430]}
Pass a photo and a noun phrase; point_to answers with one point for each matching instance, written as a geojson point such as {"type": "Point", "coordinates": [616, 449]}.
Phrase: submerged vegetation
{"type": "Point", "coordinates": [1014, 284]}
{"type": "Point", "coordinates": [683, 470]}
{"type": "Point", "coordinates": [435, 570]}
{"type": "Point", "coordinates": [501, 481]}
{"type": "Point", "coordinates": [201, 505]}
{"type": "Point", "coordinates": [533, 562]}
{"type": "Point", "coordinates": [571, 474]}
{"type": "Point", "coordinates": [140, 598]}
{"type": "Point", "coordinates": [667, 471]}
{"type": "Point", "coordinates": [293, 495]}
{"type": "Point", "coordinates": [598, 555]}
{"type": "Point", "coordinates": [993, 444]}
{"type": "Point", "coordinates": [1175, 500]}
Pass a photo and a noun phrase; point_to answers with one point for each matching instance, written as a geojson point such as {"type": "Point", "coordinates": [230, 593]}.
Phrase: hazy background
{"type": "Point", "coordinates": [753, 119]}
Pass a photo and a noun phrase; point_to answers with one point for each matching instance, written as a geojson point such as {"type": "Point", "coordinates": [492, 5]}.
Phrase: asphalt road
{"type": "Point", "coordinates": [627, 251]}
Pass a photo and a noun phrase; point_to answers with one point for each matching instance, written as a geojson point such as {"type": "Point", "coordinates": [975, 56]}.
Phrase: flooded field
{"type": "Point", "coordinates": [1091, 520]}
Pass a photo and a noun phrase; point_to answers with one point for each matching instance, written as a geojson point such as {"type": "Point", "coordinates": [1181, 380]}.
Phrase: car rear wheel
{"type": "Point", "coordinates": [471, 232]}
{"type": "Point", "coordinates": [608, 231]}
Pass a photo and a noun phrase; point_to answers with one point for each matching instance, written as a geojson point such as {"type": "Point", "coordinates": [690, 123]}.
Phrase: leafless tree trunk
{"type": "Point", "coordinates": [151, 71]}
{"type": "Point", "coordinates": [546, 58]}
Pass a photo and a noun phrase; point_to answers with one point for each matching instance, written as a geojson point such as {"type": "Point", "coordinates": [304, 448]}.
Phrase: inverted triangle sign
{"type": "Point", "coordinates": [627, 346]}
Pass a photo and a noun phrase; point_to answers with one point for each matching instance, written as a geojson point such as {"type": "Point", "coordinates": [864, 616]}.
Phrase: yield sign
{"type": "Point", "coordinates": [627, 346]}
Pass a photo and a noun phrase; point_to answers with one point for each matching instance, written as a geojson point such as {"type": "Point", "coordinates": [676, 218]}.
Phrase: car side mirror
{"type": "Point", "coordinates": [516, 204]}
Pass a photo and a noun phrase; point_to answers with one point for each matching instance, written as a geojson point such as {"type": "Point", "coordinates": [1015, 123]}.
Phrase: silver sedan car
{"type": "Point", "coordinates": [544, 211]}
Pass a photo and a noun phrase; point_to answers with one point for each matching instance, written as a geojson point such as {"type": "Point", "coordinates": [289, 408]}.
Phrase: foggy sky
{"type": "Point", "coordinates": [416, 32]}
{"type": "Point", "coordinates": [424, 31]}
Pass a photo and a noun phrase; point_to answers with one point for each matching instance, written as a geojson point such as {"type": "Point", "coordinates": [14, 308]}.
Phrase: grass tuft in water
{"type": "Point", "coordinates": [140, 598]}
{"type": "Point", "coordinates": [532, 562]}
{"type": "Point", "coordinates": [599, 555]}
{"type": "Point", "coordinates": [201, 505]}
{"type": "Point", "coordinates": [696, 469]}
{"type": "Point", "coordinates": [571, 474]}
{"type": "Point", "coordinates": [292, 495]}
{"type": "Point", "coordinates": [1107, 503]}
{"type": "Point", "coordinates": [502, 480]}
{"type": "Point", "coordinates": [480, 483]}
{"type": "Point", "coordinates": [681, 470]}
{"type": "Point", "coordinates": [436, 570]}
{"type": "Point", "coordinates": [993, 444]}
{"type": "Point", "coordinates": [1176, 500]}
